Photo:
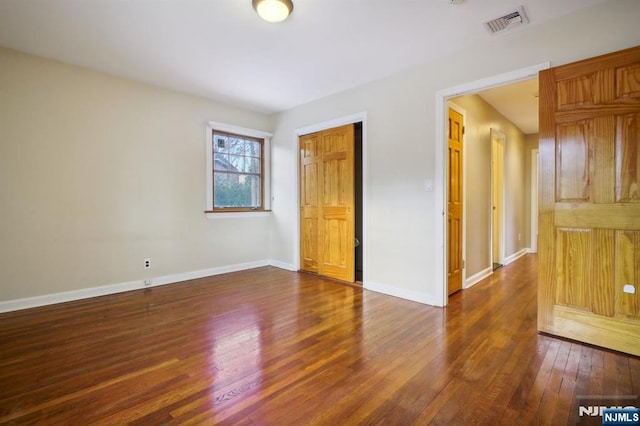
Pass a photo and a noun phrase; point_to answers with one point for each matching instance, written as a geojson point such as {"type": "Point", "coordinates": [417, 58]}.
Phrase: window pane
{"type": "Point", "coordinates": [237, 170]}
{"type": "Point", "coordinates": [253, 165]}
{"type": "Point", "coordinates": [219, 143]}
{"type": "Point", "coordinates": [236, 146]}
{"type": "Point", "coordinates": [236, 190]}
{"type": "Point", "coordinates": [253, 148]}
{"type": "Point", "coordinates": [221, 162]}
{"type": "Point", "coordinates": [237, 162]}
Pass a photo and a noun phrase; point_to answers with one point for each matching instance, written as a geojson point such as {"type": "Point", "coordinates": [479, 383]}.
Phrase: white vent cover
{"type": "Point", "coordinates": [508, 21]}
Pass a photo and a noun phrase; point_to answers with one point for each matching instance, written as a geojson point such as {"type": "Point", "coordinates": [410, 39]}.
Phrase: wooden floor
{"type": "Point", "coordinates": [268, 346]}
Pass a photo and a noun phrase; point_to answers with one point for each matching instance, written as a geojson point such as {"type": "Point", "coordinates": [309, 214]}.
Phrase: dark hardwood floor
{"type": "Point", "coordinates": [267, 346]}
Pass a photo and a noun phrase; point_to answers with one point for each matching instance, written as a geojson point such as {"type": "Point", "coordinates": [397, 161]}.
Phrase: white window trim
{"type": "Point", "coordinates": [266, 173]}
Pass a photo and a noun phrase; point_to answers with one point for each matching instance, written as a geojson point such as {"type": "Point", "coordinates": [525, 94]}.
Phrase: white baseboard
{"type": "Point", "coordinates": [530, 250]}
{"type": "Point", "coordinates": [283, 265]}
{"type": "Point", "coordinates": [68, 296]}
{"type": "Point", "coordinates": [476, 278]}
{"type": "Point", "coordinates": [515, 256]}
{"type": "Point", "coordinates": [401, 293]}
{"type": "Point", "coordinates": [85, 293]}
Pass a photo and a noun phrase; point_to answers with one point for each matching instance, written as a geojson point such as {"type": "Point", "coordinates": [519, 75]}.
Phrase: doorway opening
{"type": "Point", "coordinates": [359, 272]}
{"type": "Point", "coordinates": [340, 222]}
{"type": "Point", "coordinates": [442, 165]}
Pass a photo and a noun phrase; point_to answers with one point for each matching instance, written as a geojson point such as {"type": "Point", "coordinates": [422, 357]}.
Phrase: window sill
{"type": "Point", "coordinates": [230, 215]}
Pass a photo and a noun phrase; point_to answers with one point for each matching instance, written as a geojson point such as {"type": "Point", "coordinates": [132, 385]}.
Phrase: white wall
{"type": "Point", "coordinates": [98, 173]}
{"type": "Point", "coordinates": [402, 234]}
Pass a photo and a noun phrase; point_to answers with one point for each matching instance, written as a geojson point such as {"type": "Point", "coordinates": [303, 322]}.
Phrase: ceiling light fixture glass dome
{"type": "Point", "coordinates": [273, 10]}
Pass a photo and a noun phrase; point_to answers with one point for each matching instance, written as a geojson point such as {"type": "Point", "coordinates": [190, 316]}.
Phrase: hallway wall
{"type": "Point", "coordinates": [531, 143]}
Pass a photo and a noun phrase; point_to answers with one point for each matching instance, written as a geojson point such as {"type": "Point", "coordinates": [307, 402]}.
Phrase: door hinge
{"type": "Point", "coordinates": [462, 263]}
{"type": "Point", "coordinates": [463, 129]}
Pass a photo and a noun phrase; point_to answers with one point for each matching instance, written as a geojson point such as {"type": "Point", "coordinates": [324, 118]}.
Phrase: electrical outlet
{"type": "Point", "coordinates": [147, 283]}
{"type": "Point", "coordinates": [147, 263]}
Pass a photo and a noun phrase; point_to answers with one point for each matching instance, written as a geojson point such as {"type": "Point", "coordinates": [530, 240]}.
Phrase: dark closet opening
{"type": "Point", "coordinates": [358, 199]}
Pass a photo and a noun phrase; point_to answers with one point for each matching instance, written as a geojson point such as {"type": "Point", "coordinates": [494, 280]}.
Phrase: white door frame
{"type": "Point", "coordinates": [440, 150]}
{"type": "Point", "coordinates": [337, 122]}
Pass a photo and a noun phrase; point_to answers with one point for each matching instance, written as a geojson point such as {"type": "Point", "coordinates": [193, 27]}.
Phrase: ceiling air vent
{"type": "Point", "coordinates": [508, 21]}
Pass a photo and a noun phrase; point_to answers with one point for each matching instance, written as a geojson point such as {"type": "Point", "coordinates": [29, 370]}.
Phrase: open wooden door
{"type": "Point", "coordinates": [327, 216]}
{"type": "Point", "coordinates": [337, 225]}
{"type": "Point", "coordinates": [589, 217]}
{"type": "Point", "coordinates": [454, 203]}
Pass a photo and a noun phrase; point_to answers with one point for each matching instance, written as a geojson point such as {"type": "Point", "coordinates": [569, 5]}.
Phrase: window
{"type": "Point", "coordinates": [238, 178]}
{"type": "Point", "coordinates": [237, 171]}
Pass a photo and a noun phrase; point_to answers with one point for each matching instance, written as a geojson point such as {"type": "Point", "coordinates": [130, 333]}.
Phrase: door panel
{"type": "Point", "coordinates": [589, 207]}
{"type": "Point", "coordinates": [573, 162]}
{"type": "Point", "coordinates": [627, 269]}
{"type": "Point", "coordinates": [338, 220]}
{"type": "Point", "coordinates": [601, 296]}
{"type": "Point", "coordinates": [628, 81]}
{"type": "Point", "coordinates": [309, 208]}
{"type": "Point", "coordinates": [628, 158]}
{"type": "Point", "coordinates": [454, 203]}
{"type": "Point", "coordinates": [574, 246]}
{"type": "Point", "coordinates": [327, 217]}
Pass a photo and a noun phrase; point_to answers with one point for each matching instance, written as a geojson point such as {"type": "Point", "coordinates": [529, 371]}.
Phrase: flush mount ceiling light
{"type": "Point", "coordinates": [273, 10]}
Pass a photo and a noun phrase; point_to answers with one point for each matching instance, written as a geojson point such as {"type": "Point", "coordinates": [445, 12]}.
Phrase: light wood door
{"type": "Point", "coordinates": [454, 203]}
{"type": "Point", "coordinates": [327, 203]}
{"type": "Point", "coordinates": [497, 196]}
{"type": "Point", "coordinates": [589, 217]}
{"type": "Point", "coordinates": [310, 208]}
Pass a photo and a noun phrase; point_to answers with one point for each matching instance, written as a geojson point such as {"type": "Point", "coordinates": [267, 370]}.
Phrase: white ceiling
{"type": "Point", "coordinates": [220, 49]}
{"type": "Point", "coordinates": [518, 102]}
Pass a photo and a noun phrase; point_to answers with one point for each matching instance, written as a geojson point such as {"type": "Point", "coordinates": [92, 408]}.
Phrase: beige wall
{"type": "Point", "coordinates": [480, 118]}
{"type": "Point", "coordinates": [98, 173]}
{"type": "Point", "coordinates": [401, 241]}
